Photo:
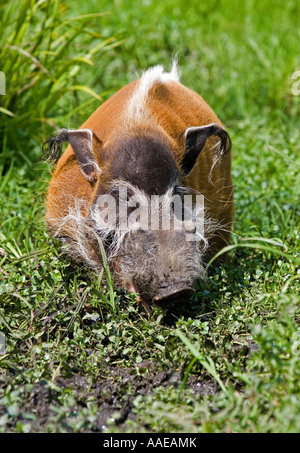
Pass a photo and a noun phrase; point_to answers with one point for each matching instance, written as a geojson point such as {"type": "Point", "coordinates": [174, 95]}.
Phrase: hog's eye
{"type": "Point", "coordinates": [179, 190]}
{"type": "Point", "coordinates": [121, 196]}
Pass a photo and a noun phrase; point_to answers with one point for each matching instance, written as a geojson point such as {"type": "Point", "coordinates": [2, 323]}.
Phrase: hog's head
{"type": "Point", "coordinates": [153, 229]}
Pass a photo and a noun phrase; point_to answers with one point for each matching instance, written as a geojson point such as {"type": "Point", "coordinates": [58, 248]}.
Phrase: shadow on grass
{"type": "Point", "coordinates": [225, 281]}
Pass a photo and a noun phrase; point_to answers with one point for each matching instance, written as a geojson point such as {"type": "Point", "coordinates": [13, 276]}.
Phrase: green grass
{"type": "Point", "coordinates": [241, 334]}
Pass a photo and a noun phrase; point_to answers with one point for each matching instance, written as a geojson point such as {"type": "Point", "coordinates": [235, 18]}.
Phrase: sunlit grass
{"type": "Point", "coordinates": [241, 329]}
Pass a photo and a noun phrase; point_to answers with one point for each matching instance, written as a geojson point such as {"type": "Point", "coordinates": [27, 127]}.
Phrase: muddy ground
{"type": "Point", "coordinates": [107, 393]}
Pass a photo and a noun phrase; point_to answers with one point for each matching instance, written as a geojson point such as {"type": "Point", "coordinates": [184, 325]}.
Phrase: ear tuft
{"type": "Point", "coordinates": [195, 139]}
{"type": "Point", "coordinates": [52, 148]}
{"type": "Point", "coordinates": [81, 141]}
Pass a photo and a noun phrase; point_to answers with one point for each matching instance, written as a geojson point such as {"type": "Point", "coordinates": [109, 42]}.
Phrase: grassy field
{"type": "Point", "coordinates": [81, 357]}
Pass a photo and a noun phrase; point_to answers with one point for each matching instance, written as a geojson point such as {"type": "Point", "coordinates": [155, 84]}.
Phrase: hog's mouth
{"type": "Point", "coordinates": [167, 297]}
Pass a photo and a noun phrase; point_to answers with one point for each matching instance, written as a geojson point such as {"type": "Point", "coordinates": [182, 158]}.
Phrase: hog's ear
{"type": "Point", "coordinates": [81, 141]}
{"type": "Point", "coordinates": [195, 138]}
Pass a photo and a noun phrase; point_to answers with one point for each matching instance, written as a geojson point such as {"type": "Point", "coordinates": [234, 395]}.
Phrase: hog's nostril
{"type": "Point", "coordinates": [168, 297]}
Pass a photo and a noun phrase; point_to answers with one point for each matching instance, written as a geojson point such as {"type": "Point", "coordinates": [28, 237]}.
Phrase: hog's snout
{"type": "Point", "coordinates": [161, 266]}
{"type": "Point", "coordinates": [168, 296]}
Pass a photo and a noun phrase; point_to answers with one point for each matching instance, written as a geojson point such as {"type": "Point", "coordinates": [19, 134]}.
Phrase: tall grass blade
{"type": "Point", "coordinates": [254, 246]}
{"type": "Point", "coordinates": [207, 362]}
{"type": "Point", "coordinates": [109, 278]}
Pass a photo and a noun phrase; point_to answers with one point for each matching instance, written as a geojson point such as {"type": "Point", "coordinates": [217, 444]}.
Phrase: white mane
{"type": "Point", "coordinates": [137, 103]}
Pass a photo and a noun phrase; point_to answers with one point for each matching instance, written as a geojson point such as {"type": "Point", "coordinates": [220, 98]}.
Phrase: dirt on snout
{"type": "Point", "coordinates": [113, 395]}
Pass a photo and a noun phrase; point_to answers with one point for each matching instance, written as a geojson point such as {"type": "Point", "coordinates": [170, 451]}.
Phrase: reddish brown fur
{"type": "Point", "coordinates": [175, 108]}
